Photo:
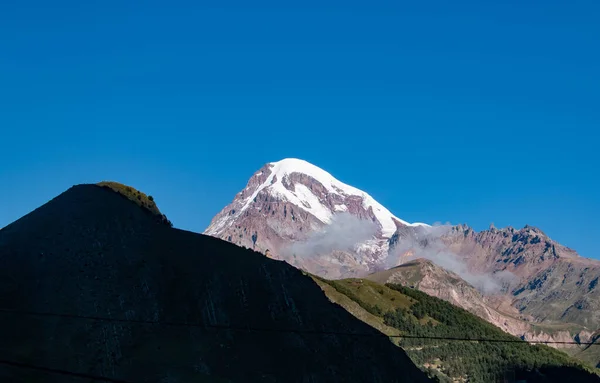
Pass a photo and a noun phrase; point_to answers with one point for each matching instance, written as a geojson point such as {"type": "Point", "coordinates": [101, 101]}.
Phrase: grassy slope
{"type": "Point", "coordinates": [370, 301]}
{"type": "Point", "coordinates": [590, 354]}
{"type": "Point", "coordinates": [355, 309]}
{"type": "Point", "coordinates": [412, 274]}
{"type": "Point", "coordinates": [374, 298]}
{"type": "Point", "coordinates": [140, 198]}
{"type": "Point", "coordinates": [411, 269]}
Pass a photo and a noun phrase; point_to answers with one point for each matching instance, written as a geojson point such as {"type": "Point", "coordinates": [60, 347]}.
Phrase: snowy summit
{"type": "Point", "coordinates": [277, 186]}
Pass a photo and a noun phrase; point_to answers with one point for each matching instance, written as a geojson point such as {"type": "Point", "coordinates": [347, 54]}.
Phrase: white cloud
{"type": "Point", "coordinates": [425, 243]}
{"type": "Point", "coordinates": [343, 233]}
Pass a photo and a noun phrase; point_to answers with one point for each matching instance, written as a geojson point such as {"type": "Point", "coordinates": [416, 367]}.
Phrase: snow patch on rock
{"type": "Point", "coordinates": [305, 199]}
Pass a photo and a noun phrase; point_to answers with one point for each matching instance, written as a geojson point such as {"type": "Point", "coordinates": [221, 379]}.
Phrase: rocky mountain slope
{"type": "Point", "coordinates": [438, 282]}
{"type": "Point", "coordinates": [547, 283]}
{"type": "Point", "coordinates": [397, 310]}
{"type": "Point", "coordinates": [285, 202]}
{"type": "Point", "coordinates": [94, 284]}
{"type": "Point", "coordinates": [529, 282]}
{"type": "Point", "coordinates": [553, 282]}
{"type": "Point", "coordinates": [430, 278]}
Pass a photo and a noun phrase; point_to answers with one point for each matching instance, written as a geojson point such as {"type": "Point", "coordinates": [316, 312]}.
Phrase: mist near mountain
{"type": "Point", "coordinates": [343, 233]}
{"type": "Point", "coordinates": [346, 231]}
{"type": "Point", "coordinates": [287, 206]}
{"type": "Point", "coordinates": [427, 244]}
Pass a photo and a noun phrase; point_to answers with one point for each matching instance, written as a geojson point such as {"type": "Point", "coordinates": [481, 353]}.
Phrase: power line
{"type": "Point", "coordinates": [60, 372]}
{"type": "Point", "coordinates": [283, 330]}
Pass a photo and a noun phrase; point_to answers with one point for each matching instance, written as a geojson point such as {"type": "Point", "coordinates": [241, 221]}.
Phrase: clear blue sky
{"type": "Point", "coordinates": [464, 112]}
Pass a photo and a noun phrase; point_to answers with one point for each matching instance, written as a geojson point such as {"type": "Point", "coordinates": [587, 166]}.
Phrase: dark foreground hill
{"type": "Point", "coordinates": [92, 284]}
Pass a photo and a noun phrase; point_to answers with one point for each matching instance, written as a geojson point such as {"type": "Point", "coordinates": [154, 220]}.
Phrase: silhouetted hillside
{"type": "Point", "coordinates": [89, 253]}
{"type": "Point", "coordinates": [138, 197]}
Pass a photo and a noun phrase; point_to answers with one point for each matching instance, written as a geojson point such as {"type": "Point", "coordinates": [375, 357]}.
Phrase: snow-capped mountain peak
{"type": "Point", "coordinates": [310, 189]}
{"type": "Point", "coordinates": [301, 213]}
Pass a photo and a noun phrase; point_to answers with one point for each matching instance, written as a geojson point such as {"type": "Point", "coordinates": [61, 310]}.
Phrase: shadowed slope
{"type": "Point", "coordinates": [138, 197]}
{"type": "Point", "coordinates": [89, 252]}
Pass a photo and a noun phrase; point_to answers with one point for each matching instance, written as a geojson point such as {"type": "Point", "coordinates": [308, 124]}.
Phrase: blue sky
{"type": "Point", "coordinates": [463, 112]}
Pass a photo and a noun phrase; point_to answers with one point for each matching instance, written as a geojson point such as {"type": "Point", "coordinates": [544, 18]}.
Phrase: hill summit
{"type": "Point", "coordinates": [140, 198]}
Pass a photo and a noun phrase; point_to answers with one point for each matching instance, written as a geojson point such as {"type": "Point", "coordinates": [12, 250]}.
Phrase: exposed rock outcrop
{"type": "Point", "coordinates": [555, 283]}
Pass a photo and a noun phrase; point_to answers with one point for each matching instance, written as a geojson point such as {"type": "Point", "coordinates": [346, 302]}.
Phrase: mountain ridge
{"type": "Point", "coordinates": [544, 266]}
{"type": "Point", "coordinates": [285, 201]}
{"type": "Point", "coordinates": [545, 282]}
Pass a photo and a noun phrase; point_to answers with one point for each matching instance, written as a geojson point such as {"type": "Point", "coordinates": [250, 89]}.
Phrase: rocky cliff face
{"type": "Point", "coordinates": [553, 284]}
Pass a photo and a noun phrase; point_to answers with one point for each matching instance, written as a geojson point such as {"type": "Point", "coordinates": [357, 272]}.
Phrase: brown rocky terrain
{"type": "Point", "coordinates": [285, 202]}
{"type": "Point", "coordinates": [550, 295]}
{"type": "Point", "coordinates": [426, 276]}
{"type": "Point", "coordinates": [555, 283]}
{"type": "Point", "coordinates": [93, 284]}
{"type": "Point", "coordinates": [539, 288]}
{"type": "Point", "coordinates": [438, 282]}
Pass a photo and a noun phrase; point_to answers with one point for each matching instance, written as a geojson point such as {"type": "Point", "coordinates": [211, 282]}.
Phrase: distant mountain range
{"type": "Point", "coordinates": [518, 279]}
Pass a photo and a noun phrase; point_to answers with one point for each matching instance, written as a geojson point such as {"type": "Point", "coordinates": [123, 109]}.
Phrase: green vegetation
{"type": "Point", "coordinates": [411, 271]}
{"type": "Point", "coordinates": [375, 298]}
{"type": "Point", "coordinates": [356, 309]}
{"type": "Point", "coordinates": [138, 197]}
{"type": "Point", "coordinates": [414, 313]}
